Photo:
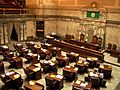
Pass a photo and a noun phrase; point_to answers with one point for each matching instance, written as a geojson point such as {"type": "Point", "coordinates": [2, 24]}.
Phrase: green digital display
{"type": "Point", "coordinates": [93, 14]}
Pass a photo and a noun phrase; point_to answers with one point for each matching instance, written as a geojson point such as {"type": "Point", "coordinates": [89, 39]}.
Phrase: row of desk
{"type": "Point", "coordinates": [85, 44]}
{"type": "Point", "coordinates": [82, 51]}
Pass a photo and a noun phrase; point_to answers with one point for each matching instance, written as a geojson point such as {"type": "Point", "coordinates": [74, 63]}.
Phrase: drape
{"type": "Point", "coordinates": [10, 27]}
{"type": "Point", "coordinates": [17, 28]}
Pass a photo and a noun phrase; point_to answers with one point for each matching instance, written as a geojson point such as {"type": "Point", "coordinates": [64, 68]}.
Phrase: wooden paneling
{"type": "Point", "coordinates": [85, 2]}
{"type": "Point", "coordinates": [107, 2]}
{"type": "Point", "coordinates": [67, 2]}
{"type": "Point", "coordinates": [100, 2]}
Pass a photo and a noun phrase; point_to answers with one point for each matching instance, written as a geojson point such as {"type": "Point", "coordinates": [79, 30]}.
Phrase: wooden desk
{"type": "Point", "coordinates": [49, 66]}
{"type": "Point", "coordinates": [95, 74]}
{"type": "Point", "coordinates": [13, 75]}
{"type": "Point", "coordinates": [36, 71]}
{"type": "Point", "coordinates": [45, 54]}
{"type": "Point", "coordinates": [51, 78]}
{"type": "Point", "coordinates": [36, 48]}
{"type": "Point", "coordinates": [87, 45]}
{"type": "Point", "coordinates": [4, 48]}
{"type": "Point", "coordinates": [32, 85]}
{"type": "Point", "coordinates": [46, 45]}
{"type": "Point", "coordinates": [106, 70]}
{"type": "Point", "coordinates": [70, 73]}
{"type": "Point", "coordinates": [17, 62]}
{"type": "Point", "coordinates": [92, 61]}
{"type": "Point", "coordinates": [18, 46]}
{"type": "Point", "coordinates": [96, 79]}
{"type": "Point", "coordinates": [32, 58]}
{"type": "Point", "coordinates": [55, 51]}
{"type": "Point", "coordinates": [62, 61]}
{"type": "Point", "coordinates": [12, 79]}
{"type": "Point", "coordinates": [82, 51]}
{"type": "Point", "coordinates": [30, 44]}
{"type": "Point", "coordinates": [81, 85]}
{"type": "Point", "coordinates": [2, 70]}
{"type": "Point", "coordinates": [8, 55]}
{"type": "Point", "coordinates": [49, 39]}
{"type": "Point", "coordinates": [73, 57]}
{"type": "Point", "coordinates": [82, 66]}
{"type": "Point", "coordinates": [23, 52]}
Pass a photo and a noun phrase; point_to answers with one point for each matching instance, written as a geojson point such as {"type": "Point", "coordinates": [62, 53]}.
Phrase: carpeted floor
{"type": "Point", "coordinates": [112, 84]}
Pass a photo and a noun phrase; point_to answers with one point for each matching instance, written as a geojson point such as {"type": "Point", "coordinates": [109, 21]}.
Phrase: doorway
{"type": "Point", "coordinates": [14, 35]}
{"type": "Point", "coordinates": [40, 28]}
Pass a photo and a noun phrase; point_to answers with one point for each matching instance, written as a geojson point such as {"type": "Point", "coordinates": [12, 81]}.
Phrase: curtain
{"type": "Point", "coordinates": [17, 28]}
{"type": "Point", "coordinates": [10, 27]}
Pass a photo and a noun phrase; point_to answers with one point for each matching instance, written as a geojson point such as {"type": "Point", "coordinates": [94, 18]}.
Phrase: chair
{"type": "Point", "coordinates": [94, 39]}
{"type": "Point", "coordinates": [49, 83]}
{"type": "Point", "coordinates": [103, 83]}
{"type": "Point", "coordinates": [2, 70]}
{"type": "Point", "coordinates": [52, 84]}
{"type": "Point", "coordinates": [82, 36]}
{"type": "Point", "coordinates": [109, 46]}
{"type": "Point", "coordinates": [87, 79]}
{"type": "Point", "coordinates": [114, 47]}
{"type": "Point", "coordinates": [69, 75]}
{"type": "Point", "coordinates": [72, 36]}
{"type": "Point", "coordinates": [46, 69]}
{"type": "Point", "coordinates": [29, 74]}
{"type": "Point", "coordinates": [66, 36]}
{"type": "Point", "coordinates": [95, 82]}
{"type": "Point", "coordinates": [99, 41]}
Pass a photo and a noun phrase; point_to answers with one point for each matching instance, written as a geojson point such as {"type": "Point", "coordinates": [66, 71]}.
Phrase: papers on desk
{"type": "Point", "coordinates": [83, 84]}
{"type": "Point", "coordinates": [89, 59]}
{"type": "Point", "coordinates": [31, 83]}
{"type": "Point", "coordinates": [47, 36]}
{"type": "Point", "coordinates": [38, 65]}
{"type": "Point", "coordinates": [76, 69]}
{"type": "Point", "coordinates": [16, 76]}
{"type": "Point", "coordinates": [63, 53]}
{"type": "Point", "coordinates": [59, 76]}
{"type": "Point", "coordinates": [11, 52]}
{"type": "Point", "coordinates": [36, 69]}
{"type": "Point", "coordinates": [67, 66]}
{"type": "Point", "coordinates": [92, 74]}
{"type": "Point", "coordinates": [80, 61]}
{"type": "Point", "coordinates": [36, 46]}
{"type": "Point", "coordinates": [5, 46]}
{"type": "Point", "coordinates": [52, 64]}
{"type": "Point", "coordinates": [34, 54]}
{"type": "Point", "coordinates": [53, 33]}
{"type": "Point", "coordinates": [78, 82]}
{"type": "Point", "coordinates": [101, 66]}
{"type": "Point", "coordinates": [65, 57]}
{"type": "Point", "coordinates": [109, 66]}
{"type": "Point", "coordinates": [82, 47]}
{"type": "Point", "coordinates": [54, 48]}
{"type": "Point", "coordinates": [48, 44]}
{"type": "Point", "coordinates": [14, 57]}
{"type": "Point", "coordinates": [94, 58]}
{"type": "Point", "coordinates": [44, 50]}
{"type": "Point", "coordinates": [72, 53]}
{"type": "Point", "coordinates": [19, 44]}
{"type": "Point", "coordinates": [85, 62]}
{"type": "Point", "coordinates": [9, 73]}
{"type": "Point", "coordinates": [46, 62]}
{"type": "Point", "coordinates": [30, 54]}
{"type": "Point", "coordinates": [76, 54]}
{"type": "Point", "coordinates": [31, 42]}
{"type": "Point", "coordinates": [53, 76]}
